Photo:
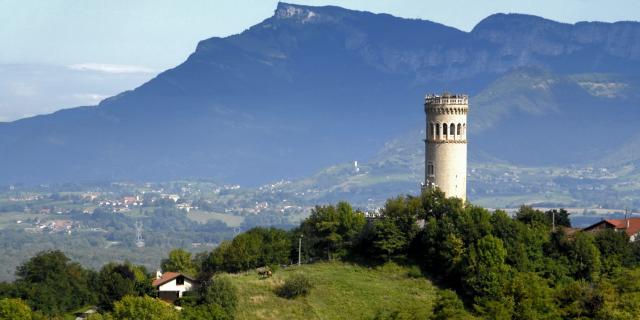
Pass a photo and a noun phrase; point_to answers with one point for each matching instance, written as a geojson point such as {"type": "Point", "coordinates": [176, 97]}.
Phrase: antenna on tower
{"type": "Point", "coordinates": [139, 239]}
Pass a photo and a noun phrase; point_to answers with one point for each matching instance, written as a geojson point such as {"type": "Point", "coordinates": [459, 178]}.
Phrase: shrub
{"type": "Point", "coordinates": [189, 298]}
{"type": "Point", "coordinates": [395, 315]}
{"type": "Point", "coordinates": [448, 306]}
{"type": "Point", "coordinates": [143, 308]}
{"type": "Point", "coordinates": [296, 285]}
{"type": "Point", "coordinates": [14, 309]}
{"type": "Point", "coordinates": [222, 292]}
{"type": "Point", "coordinates": [414, 272]}
{"type": "Point", "coordinates": [205, 311]}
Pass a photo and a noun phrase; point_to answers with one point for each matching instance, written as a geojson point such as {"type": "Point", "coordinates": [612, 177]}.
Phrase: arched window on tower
{"type": "Point", "coordinates": [459, 129]}
{"type": "Point", "coordinates": [432, 131]}
{"type": "Point", "coordinates": [452, 129]}
{"type": "Point", "coordinates": [437, 130]}
{"type": "Point", "coordinates": [444, 129]}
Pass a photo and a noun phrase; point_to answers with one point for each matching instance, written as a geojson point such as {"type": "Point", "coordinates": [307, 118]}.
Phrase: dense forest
{"type": "Point", "coordinates": [529, 266]}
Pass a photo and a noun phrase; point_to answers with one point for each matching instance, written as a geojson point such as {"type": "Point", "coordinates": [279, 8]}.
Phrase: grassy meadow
{"type": "Point", "coordinates": [341, 291]}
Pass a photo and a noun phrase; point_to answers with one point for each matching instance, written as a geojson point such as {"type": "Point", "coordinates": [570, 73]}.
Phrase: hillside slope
{"type": "Point", "coordinates": [341, 291]}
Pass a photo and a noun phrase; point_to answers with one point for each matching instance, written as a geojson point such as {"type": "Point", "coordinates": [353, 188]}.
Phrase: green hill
{"type": "Point", "coordinates": [341, 291]}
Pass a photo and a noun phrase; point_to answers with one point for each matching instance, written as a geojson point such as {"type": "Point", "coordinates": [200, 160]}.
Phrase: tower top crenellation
{"type": "Point", "coordinates": [446, 98]}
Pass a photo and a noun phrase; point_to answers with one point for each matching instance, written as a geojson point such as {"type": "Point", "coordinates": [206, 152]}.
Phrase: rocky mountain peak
{"type": "Point", "coordinates": [304, 14]}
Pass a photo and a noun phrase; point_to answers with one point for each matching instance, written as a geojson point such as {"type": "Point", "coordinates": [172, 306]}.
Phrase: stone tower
{"type": "Point", "coordinates": [446, 143]}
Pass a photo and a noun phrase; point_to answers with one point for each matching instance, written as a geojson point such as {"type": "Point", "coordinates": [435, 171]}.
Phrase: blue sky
{"type": "Point", "coordinates": [56, 54]}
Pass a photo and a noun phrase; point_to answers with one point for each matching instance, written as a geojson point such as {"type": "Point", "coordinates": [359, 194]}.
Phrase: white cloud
{"type": "Point", "coordinates": [89, 98]}
{"type": "Point", "coordinates": [22, 89]}
{"type": "Point", "coordinates": [111, 68]}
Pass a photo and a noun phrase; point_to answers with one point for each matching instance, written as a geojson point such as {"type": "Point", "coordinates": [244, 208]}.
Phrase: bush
{"type": "Point", "coordinates": [205, 311]}
{"type": "Point", "coordinates": [189, 298]}
{"type": "Point", "coordinates": [222, 292]}
{"type": "Point", "coordinates": [143, 308]}
{"type": "Point", "coordinates": [296, 285]}
{"type": "Point", "coordinates": [14, 309]}
{"type": "Point", "coordinates": [395, 315]}
{"type": "Point", "coordinates": [448, 306]}
{"type": "Point", "coordinates": [414, 272]}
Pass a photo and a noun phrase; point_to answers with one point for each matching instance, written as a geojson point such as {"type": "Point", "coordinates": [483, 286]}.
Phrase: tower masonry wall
{"type": "Point", "coordinates": [446, 144]}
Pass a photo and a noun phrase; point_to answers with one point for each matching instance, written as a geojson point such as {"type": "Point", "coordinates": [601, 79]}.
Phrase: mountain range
{"type": "Point", "coordinates": [311, 87]}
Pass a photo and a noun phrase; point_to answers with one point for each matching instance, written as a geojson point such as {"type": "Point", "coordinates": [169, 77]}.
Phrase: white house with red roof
{"type": "Point", "coordinates": [630, 225]}
{"type": "Point", "coordinates": [172, 285]}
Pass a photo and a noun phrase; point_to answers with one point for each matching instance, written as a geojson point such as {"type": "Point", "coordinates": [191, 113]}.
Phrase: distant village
{"type": "Point", "coordinates": [44, 209]}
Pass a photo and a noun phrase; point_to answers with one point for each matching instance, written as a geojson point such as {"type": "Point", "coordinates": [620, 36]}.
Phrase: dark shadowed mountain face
{"type": "Point", "coordinates": [314, 86]}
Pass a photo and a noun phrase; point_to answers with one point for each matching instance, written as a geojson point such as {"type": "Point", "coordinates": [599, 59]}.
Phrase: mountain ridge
{"type": "Point", "coordinates": [299, 91]}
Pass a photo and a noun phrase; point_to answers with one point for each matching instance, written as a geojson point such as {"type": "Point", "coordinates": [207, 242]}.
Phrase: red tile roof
{"type": "Point", "coordinates": [620, 224]}
{"type": "Point", "coordinates": [168, 276]}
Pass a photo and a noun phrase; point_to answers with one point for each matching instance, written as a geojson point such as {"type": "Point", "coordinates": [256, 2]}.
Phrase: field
{"type": "Point", "coordinates": [203, 216]}
{"type": "Point", "coordinates": [341, 291]}
{"type": "Point", "coordinates": [8, 219]}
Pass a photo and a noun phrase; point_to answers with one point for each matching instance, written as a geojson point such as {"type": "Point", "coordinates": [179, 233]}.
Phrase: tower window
{"type": "Point", "coordinates": [452, 129]}
{"type": "Point", "coordinates": [437, 129]}
{"type": "Point", "coordinates": [430, 169]}
{"type": "Point", "coordinates": [444, 129]}
{"type": "Point", "coordinates": [432, 130]}
{"type": "Point", "coordinates": [459, 128]}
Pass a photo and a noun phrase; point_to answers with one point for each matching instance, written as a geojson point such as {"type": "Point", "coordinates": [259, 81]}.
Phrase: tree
{"type": "Point", "coordinates": [561, 217]}
{"type": "Point", "coordinates": [215, 261]}
{"type": "Point", "coordinates": [255, 248]}
{"type": "Point", "coordinates": [404, 212]}
{"type": "Point", "coordinates": [585, 257]}
{"type": "Point", "coordinates": [49, 282]}
{"type": "Point", "coordinates": [116, 281]}
{"type": "Point", "coordinates": [581, 299]}
{"type": "Point", "coordinates": [436, 205]}
{"type": "Point", "coordinates": [219, 290]}
{"type": "Point", "coordinates": [533, 298]}
{"type": "Point", "coordinates": [143, 308]}
{"type": "Point", "coordinates": [615, 249]}
{"type": "Point", "coordinates": [179, 260]}
{"type": "Point", "coordinates": [388, 239]}
{"type": "Point", "coordinates": [484, 269]}
{"type": "Point", "coordinates": [532, 217]}
{"type": "Point", "coordinates": [14, 309]}
{"type": "Point", "coordinates": [332, 230]}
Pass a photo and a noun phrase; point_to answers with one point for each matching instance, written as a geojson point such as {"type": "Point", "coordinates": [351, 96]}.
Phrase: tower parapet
{"type": "Point", "coordinates": [446, 143]}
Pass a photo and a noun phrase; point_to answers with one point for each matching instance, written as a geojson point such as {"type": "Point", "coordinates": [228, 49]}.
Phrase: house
{"type": "Point", "coordinates": [630, 225]}
{"type": "Point", "coordinates": [172, 285]}
{"type": "Point", "coordinates": [184, 206]}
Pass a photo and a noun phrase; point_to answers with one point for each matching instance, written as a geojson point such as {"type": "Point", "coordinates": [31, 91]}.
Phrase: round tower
{"type": "Point", "coordinates": [446, 143]}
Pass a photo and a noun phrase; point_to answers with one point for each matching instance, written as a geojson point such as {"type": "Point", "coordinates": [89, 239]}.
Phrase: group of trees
{"type": "Point", "coordinates": [53, 286]}
{"type": "Point", "coordinates": [529, 266]}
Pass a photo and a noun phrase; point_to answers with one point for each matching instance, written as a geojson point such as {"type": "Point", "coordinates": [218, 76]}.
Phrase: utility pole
{"type": "Point", "coordinates": [553, 220]}
{"type": "Point", "coordinates": [300, 249]}
{"type": "Point", "coordinates": [139, 239]}
{"type": "Point", "coordinates": [626, 216]}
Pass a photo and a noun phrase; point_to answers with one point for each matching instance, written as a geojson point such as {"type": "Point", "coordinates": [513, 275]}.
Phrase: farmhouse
{"type": "Point", "coordinates": [172, 285]}
{"type": "Point", "coordinates": [630, 225]}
